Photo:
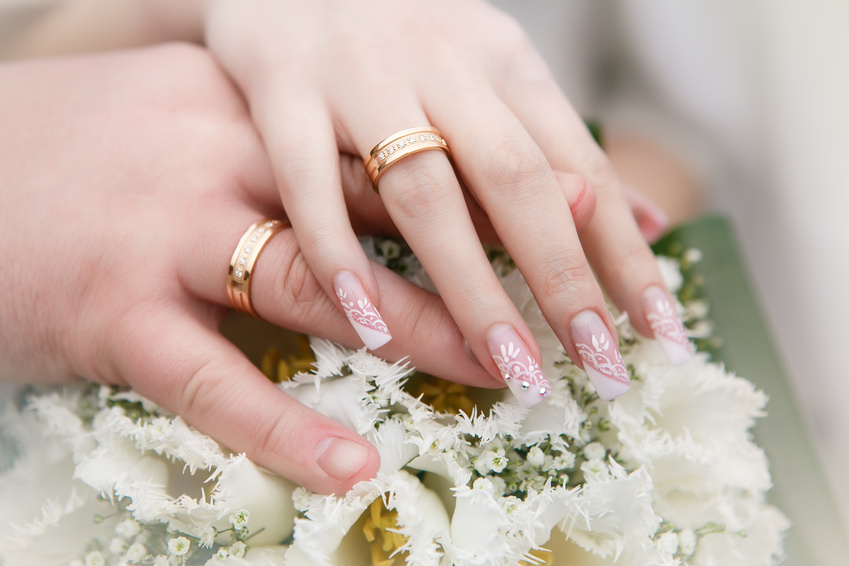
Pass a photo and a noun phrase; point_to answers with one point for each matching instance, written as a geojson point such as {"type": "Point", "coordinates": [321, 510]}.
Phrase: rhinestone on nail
{"type": "Point", "coordinates": [543, 392]}
{"type": "Point", "coordinates": [525, 385]}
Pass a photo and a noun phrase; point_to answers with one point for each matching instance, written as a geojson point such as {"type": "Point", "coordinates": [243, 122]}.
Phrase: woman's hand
{"type": "Point", "coordinates": [127, 181]}
{"type": "Point", "coordinates": [328, 77]}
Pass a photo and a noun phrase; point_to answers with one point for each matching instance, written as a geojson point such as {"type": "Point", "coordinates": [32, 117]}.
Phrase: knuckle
{"type": "Point", "coordinates": [273, 436]}
{"type": "Point", "coordinates": [567, 274]}
{"type": "Point", "coordinates": [595, 167]}
{"type": "Point", "coordinates": [299, 290]}
{"type": "Point", "coordinates": [509, 32]}
{"type": "Point", "coordinates": [417, 190]}
{"type": "Point", "coordinates": [514, 166]}
{"type": "Point", "coordinates": [207, 381]}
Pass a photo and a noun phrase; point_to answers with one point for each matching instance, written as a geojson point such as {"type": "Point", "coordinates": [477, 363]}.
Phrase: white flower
{"type": "Point", "coordinates": [179, 546]}
{"type": "Point", "coordinates": [117, 546]}
{"type": "Point", "coordinates": [136, 552]}
{"type": "Point", "coordinates": [94, 559]}
{"type": "Point", "coordinates": [693, 255]}
{"type": "Point", "coordinates": [128, 529]}
{"type": "Point", "coordinates": [594, 451]}
{"type": "Point", "coordinates": [677, 450]}
{"type": "Point", "coordinates": [239, 519]}
{"type": "Point", "coordinates": [536, 457]}
{"type": "Point", "coordinates": [491, 461]}
{"type": "Point", "coordinates": [237, 549]}
{"type": "Point", "coordinates": [670, 270]}
{"type": "Point", "coordinates": [668, 543]}
{"type": "Point", "coordinates": [687, 542]}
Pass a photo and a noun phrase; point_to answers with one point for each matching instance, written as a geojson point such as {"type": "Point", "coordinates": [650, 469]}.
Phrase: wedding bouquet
{"type": "Point", "coordinates": [665, 475]}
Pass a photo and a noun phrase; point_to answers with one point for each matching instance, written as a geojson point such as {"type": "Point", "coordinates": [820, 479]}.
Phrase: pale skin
{"type": "Point", "coordinates": [464, 68]}
{"type": "Point", "coordinates": [128, 179]}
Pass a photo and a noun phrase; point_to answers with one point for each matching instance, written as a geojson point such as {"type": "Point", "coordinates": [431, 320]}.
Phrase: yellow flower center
{"type": "Point", "coordinates": [444, 396]}
{"type": "Point", "coordinates": [379, 526]}
{"type": "Point", "coordinates": [278, 369]}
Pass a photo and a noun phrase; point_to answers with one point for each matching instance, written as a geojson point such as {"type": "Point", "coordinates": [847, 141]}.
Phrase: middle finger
{"type": "Point", "coordinates": [508, 174]}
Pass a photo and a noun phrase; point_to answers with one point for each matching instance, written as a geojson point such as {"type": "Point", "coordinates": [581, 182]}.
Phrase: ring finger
{"type": "Point", "coordinates": [426, 202]}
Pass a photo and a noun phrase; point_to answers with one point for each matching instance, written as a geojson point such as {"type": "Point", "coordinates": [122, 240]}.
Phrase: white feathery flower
{"type": "Point", "coordinates": [391, 442]}
{"type": "Point", "coordinates": [206, 537]}
{"type": "Point", "coordinates": [422, 518]}
{"type": "Point", "coordinates": [267, 498]}
{"type": "Point", "coordinates": [677, 450]}
{"type": "Point", "coordinates": [94, 559]}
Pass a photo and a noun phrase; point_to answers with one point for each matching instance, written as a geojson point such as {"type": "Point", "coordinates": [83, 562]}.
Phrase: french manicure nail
{"type": "Point", "coordinates": [600, 355]}
{"type": "Point", "coordinates": [666, 326]}
{"type": "Point", "coordinates": [517, 366]}
{"type": "Point", "coordinates": [360, 311]}
{"type": "Point", "coordinates": [340, 458]}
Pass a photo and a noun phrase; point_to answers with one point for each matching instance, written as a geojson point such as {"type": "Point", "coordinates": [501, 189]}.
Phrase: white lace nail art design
{"type": "Point", "coordinates": [666, 326]}
{"type": "Point", "coordinates": [361, 312]}
{"type": "Point", "coordinates": [599, 355]}
{"type": "Point", "coordinates": [665, 322]}
{"type": "Point", "coordinates": [603, 359]}
{"type": "Point", "coordinates": [517, 366]}
{"type": "Point", "coordinates": [527, 375]}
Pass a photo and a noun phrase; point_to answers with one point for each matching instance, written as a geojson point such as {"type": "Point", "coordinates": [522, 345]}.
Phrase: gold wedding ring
{"type": "Point", "coordinates": [400, 145]}
{"type": "Point", "coordinates": [243, 260]}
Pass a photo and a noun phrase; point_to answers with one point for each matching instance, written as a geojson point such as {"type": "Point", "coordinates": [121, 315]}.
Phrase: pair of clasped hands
{"type": "Point", "coordinates": [128, 178]}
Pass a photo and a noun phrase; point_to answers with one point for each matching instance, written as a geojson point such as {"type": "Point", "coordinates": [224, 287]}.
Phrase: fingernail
{"type": "Point", "coordinates": [666, 326]}
{"type": "Point", "coordinates": [600, 355]}
{"type": "Point", "coordinates": [340, 458]}
{"type": "Point", "coordinates": [517, 366]}
{"type": "Point", "coordinates": [360, 311]}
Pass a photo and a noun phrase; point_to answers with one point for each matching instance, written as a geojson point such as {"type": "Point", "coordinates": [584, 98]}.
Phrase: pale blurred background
{"type": "Point", "coordinates": [733, 107]}
{"type": "Point", "coordinates": [753, 98]}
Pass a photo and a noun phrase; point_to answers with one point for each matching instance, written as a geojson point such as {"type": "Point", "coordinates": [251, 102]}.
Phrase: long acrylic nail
{"type": "Point", "coordinates": [360, 311]}
{"type": "Point", "coordinates": [602, 360]}
{"type": "Point", "coordinates": [340, 458]}
{"type": "Point", "coordinates": [666, 326]}
{"type": "Point", "coordinates": [517, 366]}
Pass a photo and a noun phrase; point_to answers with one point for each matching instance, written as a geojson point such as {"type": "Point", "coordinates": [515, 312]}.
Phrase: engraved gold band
{"type": "Point", "coordinates": [400, 145]}
{"type": "Point", "coordinates": [243, 260]}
